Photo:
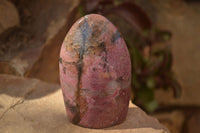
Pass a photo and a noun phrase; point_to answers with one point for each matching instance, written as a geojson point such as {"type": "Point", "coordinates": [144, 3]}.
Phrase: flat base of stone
{"type": "Point", "coordinates": [100, 128]}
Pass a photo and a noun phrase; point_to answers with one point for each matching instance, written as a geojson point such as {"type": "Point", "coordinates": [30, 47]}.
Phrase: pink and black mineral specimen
{"type": "Point", "coordinates": [95, 73]}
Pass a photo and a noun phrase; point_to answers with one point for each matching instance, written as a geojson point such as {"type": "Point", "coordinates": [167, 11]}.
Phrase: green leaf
{"type": "Point", "coordinates": [145, 95]}
{"type": "Point", "coordinates": [150, 83]}
{"type": "Point", "coordinates": [151, 105]}
{"type": "Point", "coordinates": [81, 10]}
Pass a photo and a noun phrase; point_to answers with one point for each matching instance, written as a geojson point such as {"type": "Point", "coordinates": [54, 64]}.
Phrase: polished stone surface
{"type": "Point", "coordinates": [95, 73]}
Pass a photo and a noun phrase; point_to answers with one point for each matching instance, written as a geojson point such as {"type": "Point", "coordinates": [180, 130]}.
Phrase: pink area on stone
{"type": "Point", "coordinates": [95, 73]}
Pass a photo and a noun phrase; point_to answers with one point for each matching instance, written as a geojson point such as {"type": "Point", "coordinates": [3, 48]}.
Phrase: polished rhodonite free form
{"type": "Point", "coordinates": [95, 73]}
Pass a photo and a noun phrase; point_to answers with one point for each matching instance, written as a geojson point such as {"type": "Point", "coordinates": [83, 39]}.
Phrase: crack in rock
{"type": "Point", "coordinates": [21, 101]}
{"type": "Point", "coordinates": [11, 107]}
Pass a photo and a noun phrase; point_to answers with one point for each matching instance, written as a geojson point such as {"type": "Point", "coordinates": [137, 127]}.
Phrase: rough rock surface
{"type": "Point", "coordinates": [31, 107]}
{"type": "Point", "coordinates": [173, 120]}
{"type": "Point", "coordinates": [192, 125]}
{"type": "Point", "coordinates": [95, 73]}
{"type": "Point", "coordinates": [37, 42]}
{"type": "Point", "coordinates": [9, 16]}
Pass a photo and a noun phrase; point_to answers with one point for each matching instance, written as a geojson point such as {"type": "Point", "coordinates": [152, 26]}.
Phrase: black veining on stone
{"type": "Point", "coordinates": [60, 60]}
{"type": "Point", "coordinates": [104, 58]}
{"type": "Point", "coordinates": [71, 107]}
{"type": "Point", "coordinates": [115, 36]}
{"type": "Point", "coordinates": [94, 69]}
{"type": "Point", "coordinates": [64, 69]}
{"type": "Point", "coordinates": [69, 63]}
{"type": "Point", "coordinates": [85, 30]}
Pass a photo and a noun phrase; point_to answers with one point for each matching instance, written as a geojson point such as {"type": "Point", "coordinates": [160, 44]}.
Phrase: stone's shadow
{"type": "Point", "coordinates": [136, 118]}
{"type": "Point", "coordinates": [45, 90]}
{"type": "Point", "coordinates": [25, 88]}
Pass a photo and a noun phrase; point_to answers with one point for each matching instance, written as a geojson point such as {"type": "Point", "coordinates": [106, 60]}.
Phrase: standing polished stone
{"type": "Point", "coordinates": [95, 73]}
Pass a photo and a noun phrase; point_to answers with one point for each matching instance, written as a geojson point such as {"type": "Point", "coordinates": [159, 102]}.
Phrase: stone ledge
{"type": "Point", "coordinates": [35, 106]}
